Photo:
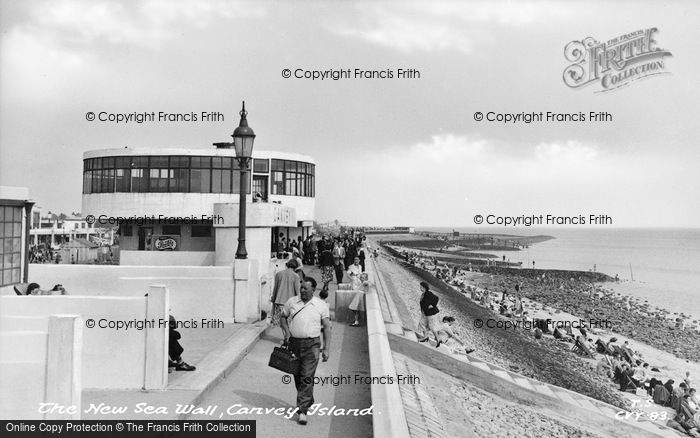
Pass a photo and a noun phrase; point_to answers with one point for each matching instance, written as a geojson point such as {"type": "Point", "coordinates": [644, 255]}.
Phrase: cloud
{"type": "Point", "coordinates": [145, 23]}
{"type": "Point", "coordinates": [61, 45]}
{"type": "Point", "coordinates": [437, 26]}
{"type": "Point", "coordinates": [428, 182]}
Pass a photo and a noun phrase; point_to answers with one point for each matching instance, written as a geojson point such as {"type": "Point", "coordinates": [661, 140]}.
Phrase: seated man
{"type": "Point", "coordinates": [677, 396]}
{"type": "Point", "coordinates": [640, 373]}
{"type": "Point", "coordinates": [626, 381]}
{"type": "Point", "coordinates": [446, 337]}
{"type": "Point", "coordinates": [175, 350]}
{"type": "Point", "coordinates": [693, 401]}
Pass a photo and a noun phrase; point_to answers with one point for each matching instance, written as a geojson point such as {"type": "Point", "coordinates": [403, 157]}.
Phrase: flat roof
{"type": "Point", "coordinates": [213, 152]}
{"type": "Point", "coordinates": [14, 193]}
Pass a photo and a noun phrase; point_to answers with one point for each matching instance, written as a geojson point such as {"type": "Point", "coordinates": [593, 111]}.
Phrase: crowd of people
{"type": "Point", "coordinates": [43, 254]}
{"type": "Point", "coordinates": [304, 318]}
{"type": "Point", "coordinates": [624, 366]}
{"type": "Point", "coordinates": [627, 369]}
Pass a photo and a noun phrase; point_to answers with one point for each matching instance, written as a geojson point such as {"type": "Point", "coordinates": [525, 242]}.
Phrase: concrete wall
{"type": "Point", "coordinates": [181, 204]}
{"type": "Point", "coordinates": [185, 241]}
{"type": "Point", "coordinates": [44, 366]}
{"type": "Point", "coordinates": [166, 258]}
{"type": "Point", "coordinates": [195, 291]}
{"type": "Point", "coordinates": [111, 358]}
{"type": "Point", "coordinates": [305, 207]}
{"type": "Point", "coordinates": [385, 398]}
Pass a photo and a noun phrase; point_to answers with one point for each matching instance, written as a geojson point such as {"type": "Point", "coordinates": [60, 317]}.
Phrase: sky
{"type": "Point", "coordinates": [388, 151]}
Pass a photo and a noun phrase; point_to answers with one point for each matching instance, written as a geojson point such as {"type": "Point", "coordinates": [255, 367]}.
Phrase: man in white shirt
{"type": "Point", "coordinates": [301, 321]}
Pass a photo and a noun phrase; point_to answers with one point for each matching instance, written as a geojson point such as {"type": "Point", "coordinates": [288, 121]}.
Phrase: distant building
{"type": "Point", "coordinates": [15, 216]}
{"type": "Point", "coordinates": [79, 251]}
{"type": "Point", "coordinates": [53, 230]}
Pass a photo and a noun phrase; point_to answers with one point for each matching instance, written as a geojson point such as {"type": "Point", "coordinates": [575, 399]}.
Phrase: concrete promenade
{"type": "Point", "coordinates": [253, 384]}
{"type": "Point", "coordinates": [232, 370]}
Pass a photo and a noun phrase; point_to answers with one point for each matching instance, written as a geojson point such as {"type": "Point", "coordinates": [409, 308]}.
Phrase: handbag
{"type": "Point", "coordinates": [284, 360]}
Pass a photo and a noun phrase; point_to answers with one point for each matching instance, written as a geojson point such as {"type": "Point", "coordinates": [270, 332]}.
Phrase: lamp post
{"type": "Point", "coordinates": [243, 138]}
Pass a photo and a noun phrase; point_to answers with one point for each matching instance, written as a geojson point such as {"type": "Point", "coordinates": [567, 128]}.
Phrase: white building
{"type": "Point", "coordinates": [53, 230]}
{"type": "Point", "coordinates": [180, 206]}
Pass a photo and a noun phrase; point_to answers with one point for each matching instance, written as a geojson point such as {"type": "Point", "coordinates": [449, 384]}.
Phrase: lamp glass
{"type": "Point", "coordinates": [243, 145]}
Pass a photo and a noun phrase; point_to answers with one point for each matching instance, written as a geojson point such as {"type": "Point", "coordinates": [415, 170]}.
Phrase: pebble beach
{"type": "Point", "coordinates": [661, 340]}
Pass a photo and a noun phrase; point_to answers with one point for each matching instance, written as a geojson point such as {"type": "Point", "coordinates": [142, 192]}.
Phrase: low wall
{"type": "Point", "coordinates": [166, 258]}
{"type": "Point", "coordinates": [111, 358]}
{"type": "Point", "coordinates": [196, 292]}
{"type": "Point", "coordinates": [385, 398]}
{"type": "Point", "coordinates": [41, 363]}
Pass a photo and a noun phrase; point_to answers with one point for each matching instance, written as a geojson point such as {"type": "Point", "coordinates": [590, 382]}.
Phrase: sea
{"type": "Point", "coordinates": [661, 265]}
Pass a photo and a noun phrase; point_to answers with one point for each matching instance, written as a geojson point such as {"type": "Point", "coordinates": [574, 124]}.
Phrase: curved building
{"type": "Point", "coordinates": [180, 206]}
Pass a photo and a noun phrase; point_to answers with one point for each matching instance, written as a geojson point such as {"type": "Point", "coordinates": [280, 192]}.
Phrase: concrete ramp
{"type": "Point", "coordinates": [568, 405]}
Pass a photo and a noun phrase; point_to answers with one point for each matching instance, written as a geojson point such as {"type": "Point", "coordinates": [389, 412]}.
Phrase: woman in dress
{"type": "Point", "coordinates": [326, 262]}
{"type": "Point", "coordinates": [354, 272]}
{"type": "Point", "coordinates": [357, 304]}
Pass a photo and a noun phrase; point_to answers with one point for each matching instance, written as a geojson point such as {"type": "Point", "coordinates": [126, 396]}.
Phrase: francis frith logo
{"type": "Point", "coordinates": [615, 63]}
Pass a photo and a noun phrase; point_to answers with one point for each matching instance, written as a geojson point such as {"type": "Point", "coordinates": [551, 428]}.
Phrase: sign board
{"type": "Point", "coordinates": [166, 243]}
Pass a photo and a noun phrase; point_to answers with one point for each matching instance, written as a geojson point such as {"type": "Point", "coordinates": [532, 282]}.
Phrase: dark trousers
{"type": "Point", "coordinates": [339, 272]}
{"type": "Point", "coordinates": [174, 348]}
{"type": "Point", "coordinates": [308, 351]}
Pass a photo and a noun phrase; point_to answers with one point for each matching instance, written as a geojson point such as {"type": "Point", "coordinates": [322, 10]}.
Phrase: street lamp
{"type": "Point", "coordinates": [243, 138]}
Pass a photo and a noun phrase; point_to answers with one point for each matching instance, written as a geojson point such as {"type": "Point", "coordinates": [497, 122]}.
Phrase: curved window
{"type": "Point", "coordinates": [193, 174]}
{"type": "Point", "coordinates": [292, 178]}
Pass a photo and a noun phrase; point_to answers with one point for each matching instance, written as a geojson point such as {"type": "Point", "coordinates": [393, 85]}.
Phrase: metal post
{"type": "Point", "coordinates": [241, 252]}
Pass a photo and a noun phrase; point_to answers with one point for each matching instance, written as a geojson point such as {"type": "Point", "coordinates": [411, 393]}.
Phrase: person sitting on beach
{"type": "Point", "coordinates": [686, 416]}
{"type": "Point", "coordinates": [503, 307]}
{"type": "Point", "coordinates": [617, 366]}
{"type": "Point", "coordinates": [640, 374]}
{"type": "Point", "coordinates": [677, 395]}
{"type": "Point", "coordinates": [604, 367]}
{"type": "Point", "coordinates": [661, 394]}
{"type": "Point", "coordinates": [627, 383]}
{"type": "Point", "coordinates": [692, 400]}
{"type": "Point", "coordinates": [518, 307]}
{"type": "Point", "coordinates": [669, 388]}
{"type": "Point", "coordinates": [447, 336]}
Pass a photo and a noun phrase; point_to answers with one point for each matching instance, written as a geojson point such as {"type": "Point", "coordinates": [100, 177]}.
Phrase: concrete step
{"type": "Point", "coordinates": [587, 404]}
{"type": "Point", "coordinates": [504, 375]}
{"type": "Point", "coordinates": [524, 383]}
{"type": "Point", "coordinates": [483, 365]}
{"type": "Point", "coordinates": [563, 395]}
{"type": "Point", "coordinates": [546, 390]}
{"type": "Point", "coordinates": [219, 362]}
